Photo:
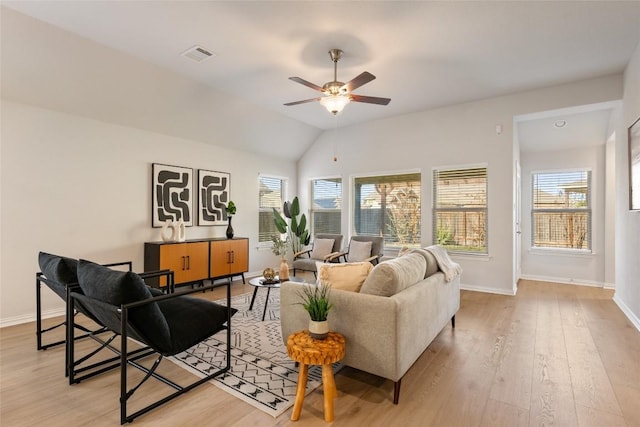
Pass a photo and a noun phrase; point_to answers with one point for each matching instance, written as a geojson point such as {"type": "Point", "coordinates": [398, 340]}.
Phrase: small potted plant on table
{"type": "Point", "coordinates": [231, 211]}
{"type": "Point", "coordinates": [315, 299]}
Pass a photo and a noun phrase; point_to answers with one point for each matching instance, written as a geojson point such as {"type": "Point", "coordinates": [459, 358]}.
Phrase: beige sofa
{"type": "Point", "coordinates": [402, 306]}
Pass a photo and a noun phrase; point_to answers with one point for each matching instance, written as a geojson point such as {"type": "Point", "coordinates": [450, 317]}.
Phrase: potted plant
{"type": "Point", "coordinates": [230, 209]}
{"type": "Point", "coordinates": [296, 229]}
{"type": "Point", "coordinates": [280, 247]}
{"type": "Point", "coordinates": [315, 299]}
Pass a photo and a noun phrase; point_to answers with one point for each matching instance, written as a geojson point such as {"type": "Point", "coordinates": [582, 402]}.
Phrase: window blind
{"type": "Point", "coordinates": [271, 195]}
{"type": "Point", "coordinates": [561, 210]}
{"type": "Point", "coordinates": [389, 206]}
{"type": "Point", "coordinates": [326, 209]}
{"type": "Point", "coordinates": [460, 209]}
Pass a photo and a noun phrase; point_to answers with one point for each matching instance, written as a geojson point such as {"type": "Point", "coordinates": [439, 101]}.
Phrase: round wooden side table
{"type": "Point", "coordinates": [308, 351]}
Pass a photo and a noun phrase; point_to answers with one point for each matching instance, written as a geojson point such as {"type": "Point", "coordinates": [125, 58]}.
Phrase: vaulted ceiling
{"type": "Point", "coordinates": [424, 54]}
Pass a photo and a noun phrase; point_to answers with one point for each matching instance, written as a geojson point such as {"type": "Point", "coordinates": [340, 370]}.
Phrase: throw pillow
{"type": "Point", "coordinates": [321, 248]}
{"type": "Point", "coordinates": [393, 276]}
{"type": "Point", "coordinates": [432, 265]}
{"type": "Point", "coordinates": [123, 287]}
{"type": "Point", "coordinates": [348, 277]}
{"type": "Point", "coordinates": [59, 269]}
{"type": "Point", "coordinates": [359, 251]}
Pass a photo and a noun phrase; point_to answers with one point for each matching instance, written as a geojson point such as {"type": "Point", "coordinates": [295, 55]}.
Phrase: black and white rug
{"type": "Point", "coordinates": [261, 372]}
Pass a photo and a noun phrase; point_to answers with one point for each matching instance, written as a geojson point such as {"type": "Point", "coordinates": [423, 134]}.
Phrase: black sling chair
{"type": "Point", "coordinates": [164, 324]}
{"type": "Point", "coordinates": [60, 274]}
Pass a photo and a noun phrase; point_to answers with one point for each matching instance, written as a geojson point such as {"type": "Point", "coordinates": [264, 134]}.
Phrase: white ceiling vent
{"type": "Point", "coordinates": [198, 54]}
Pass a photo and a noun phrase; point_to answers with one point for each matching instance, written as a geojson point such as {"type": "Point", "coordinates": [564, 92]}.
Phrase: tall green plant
{"type": "Point", "coordinates": [315, 299]}
{"type": "Point", "coordinates": [296, 229]}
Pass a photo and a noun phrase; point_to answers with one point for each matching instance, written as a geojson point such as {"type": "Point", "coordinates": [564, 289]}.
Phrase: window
{"type": "Point", "coordinates": [326, 209]}
{"type": "Point", "coordinates": [388, 206]}
{"type": "Point", "coordinates": [561, 214]}
{"type": "Point", "coordinates": [272, 191]}
{"type": "Point", "coordinates": [460, 209]}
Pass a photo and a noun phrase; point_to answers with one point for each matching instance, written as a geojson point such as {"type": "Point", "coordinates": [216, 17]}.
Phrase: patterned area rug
{"type": "Point", "coordinates": [261, 372]}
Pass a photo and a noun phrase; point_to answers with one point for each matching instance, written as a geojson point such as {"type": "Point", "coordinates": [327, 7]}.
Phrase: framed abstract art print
{"type": "Point", "coordinates": [213, 196]}
{"type": "Point", "coordinates": [171, 194]}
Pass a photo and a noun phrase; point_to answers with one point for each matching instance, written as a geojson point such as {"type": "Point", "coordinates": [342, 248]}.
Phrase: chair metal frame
{"type": "Point", "coordinates": [88, 333]}
{"type": "Point", "coordinates": [40, 278]}
{"type": "Point", "coordinates": [70, 314]}
{"type": "Point", "coordinates": [124, 358]}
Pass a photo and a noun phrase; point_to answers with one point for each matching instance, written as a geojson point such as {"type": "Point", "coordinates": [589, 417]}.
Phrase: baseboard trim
{"type": "Point", "coordinates": [26, 318]}
{"type": "Point", "coordinates": [635, 321]}
{"type": "Point", "coordinates": [564, 281]}
{"type": "Point", "coordinates": [498, 291]}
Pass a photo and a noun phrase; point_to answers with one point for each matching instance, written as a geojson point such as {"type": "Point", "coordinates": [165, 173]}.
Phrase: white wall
{"type": "Point", "coordinates": [558, 266]}
{"type": "Point", "coordinates": [46, 66]}
{"type": "Point", "coordinates": [457, 135]}
{"type": "Point", "coordinates": [81, 188]}
{"type": "Point", "coordinates": [610, 208]}
{"type": "Point", "coordinates": [627, 294]}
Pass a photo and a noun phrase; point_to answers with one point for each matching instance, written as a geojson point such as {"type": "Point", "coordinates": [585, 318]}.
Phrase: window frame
{"type": "Point", "coordinates": [435, 209]}
{"type": "Point", "coordinates": [312, 211]}
{"type": "Point", "coordinates": [588, 210]}
{"type": "Point", "coordinates": [352, 205]}
{"type": "Point", "coordinates": [284, 183]}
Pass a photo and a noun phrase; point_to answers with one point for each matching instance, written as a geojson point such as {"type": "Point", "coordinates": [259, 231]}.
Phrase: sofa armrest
{"type": "Point", "coordinates": [368, 323]}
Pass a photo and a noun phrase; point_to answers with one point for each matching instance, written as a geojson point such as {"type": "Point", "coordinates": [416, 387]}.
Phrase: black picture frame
{"type": "Point", "coordinates": [634, 166]}
{"type": "Point", "coordinates": [214, 190]}
{"type": "Point", "coordinates": [171, 194]}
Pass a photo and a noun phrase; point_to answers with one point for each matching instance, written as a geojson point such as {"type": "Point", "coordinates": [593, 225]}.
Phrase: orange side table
{"type": "Point", "coordinates": [308, 351]}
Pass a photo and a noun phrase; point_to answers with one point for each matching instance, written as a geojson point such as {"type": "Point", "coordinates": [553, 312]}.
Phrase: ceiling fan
{"type": "Point", "coordinates": [338, 94]}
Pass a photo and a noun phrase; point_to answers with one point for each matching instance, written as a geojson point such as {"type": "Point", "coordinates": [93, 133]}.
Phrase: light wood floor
{"type": "Point", "coordinates": [552, 355]}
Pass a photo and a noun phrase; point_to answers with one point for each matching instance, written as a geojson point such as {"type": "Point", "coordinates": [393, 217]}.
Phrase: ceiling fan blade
{"type": "Point", "coordinates": [370, 99]}
{"type": "Point", "coordinates": [302, 102]}
{"type": "Point", "coordinates": [358, 81]}
{"type": "Point", "coordinates": [306, 83]}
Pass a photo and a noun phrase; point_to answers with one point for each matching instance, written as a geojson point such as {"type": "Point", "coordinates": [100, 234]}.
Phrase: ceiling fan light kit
{"type": "Point", "coordinates": [334, 103]}
{"type": "Point", "coordinates": [337, 94]}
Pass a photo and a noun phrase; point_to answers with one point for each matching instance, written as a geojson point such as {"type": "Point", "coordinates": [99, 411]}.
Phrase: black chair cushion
{"type": "Point", "coordinates": [155, 292]}
{"type": "Point", "coordinates": [191, 320]}
{"type": "Point", "coordinates": [60, 270]}
{"type": "Point", "coordinates": [124, 287]}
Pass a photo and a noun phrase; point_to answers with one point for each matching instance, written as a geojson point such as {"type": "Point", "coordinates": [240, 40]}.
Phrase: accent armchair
{"type": "Point", "coordinates": [164, 325]}
{"type": "Point", "coordinates": [60, 274]}
{"type": "Point", "coordinates": [361, 248]}
{"type": "Point", "coordinates": [325, 247]}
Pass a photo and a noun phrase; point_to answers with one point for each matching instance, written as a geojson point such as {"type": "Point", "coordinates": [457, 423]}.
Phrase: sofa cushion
{"type": "Point", "coordinates": [348, 277]}
{"type": "Point", "coordinates": [58, 268]}
{"type": "Point", "coordinates": [432, 265]}
{"type": "Point", "coordinates": [390, 277]}
{"type": "Point", "coordinates": [321, 248]}
{"type": "Point", "coordinates": [359, 251]}
{"type": "Point", "coordinates": [404, 251]}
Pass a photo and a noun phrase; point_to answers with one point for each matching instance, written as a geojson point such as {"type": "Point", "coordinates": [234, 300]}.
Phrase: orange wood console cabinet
{"type": "Point", "coordinates": [199, 259]}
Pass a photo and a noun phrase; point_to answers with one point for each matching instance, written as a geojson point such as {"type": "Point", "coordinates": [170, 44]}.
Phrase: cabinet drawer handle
{"type": "Point", "coordinates": [183, 263]}
{"type": "Point", "coordinates": [188, 262]}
